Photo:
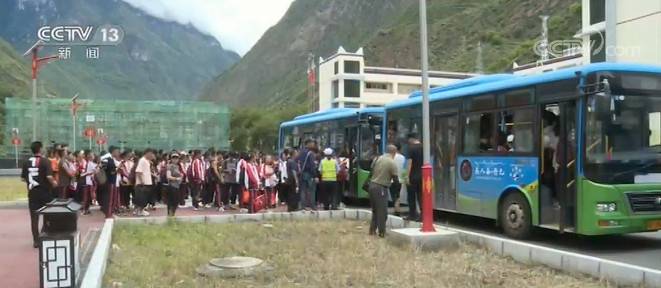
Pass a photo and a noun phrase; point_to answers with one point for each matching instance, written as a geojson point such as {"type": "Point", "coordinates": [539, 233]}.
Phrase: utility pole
{"type": "Point", "coordinates": [426, 203]}
{"type": "Point", "coordinates": [479, 62]}
{"type": "Point", "coordinates": [36, 64]}
{"type": "Point", "coordinates": [545, 38]}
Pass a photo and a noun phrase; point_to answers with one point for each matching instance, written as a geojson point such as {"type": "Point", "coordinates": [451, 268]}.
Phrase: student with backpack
{"type": "Point", "coordinates": [88, 170]}
{"type": "Point", "coordinates": [173, 177]}
{"type": "Point", "coordinates": [231, 181]}
{"type": "Point", "coordinates": [184, 162]}
{"type": "Point", "coordinates": [196, 178]}
{"type": "Point", "coordinates": [125, 184]}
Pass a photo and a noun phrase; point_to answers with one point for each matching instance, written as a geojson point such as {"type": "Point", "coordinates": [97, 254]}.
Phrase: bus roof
{"type": "Point", "coordinates": [477, 80]}
{"type": "Point", "coordinates": [507, 83]}
{"type": "Point", "coordinates": [331, 114]}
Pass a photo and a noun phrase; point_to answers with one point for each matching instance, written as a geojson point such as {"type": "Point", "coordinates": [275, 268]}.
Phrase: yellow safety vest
{"type": "Point", "coordinates": [328, 170]}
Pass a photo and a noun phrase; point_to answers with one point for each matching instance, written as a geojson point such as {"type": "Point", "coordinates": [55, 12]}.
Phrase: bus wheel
{"type": "Point", "coordinates": [515, 216]}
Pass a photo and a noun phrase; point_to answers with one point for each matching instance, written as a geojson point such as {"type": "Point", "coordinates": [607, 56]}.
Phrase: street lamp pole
{"type": "Point", "coordinates": [426, 203]}
{"type": "Point", "coordinates": [74, 109]}
{"type": "Point", "coordinates": [36, 64]}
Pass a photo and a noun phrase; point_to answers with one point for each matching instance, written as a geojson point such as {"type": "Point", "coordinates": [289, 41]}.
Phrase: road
{"type": "Point", "coordinates": [642, 249]}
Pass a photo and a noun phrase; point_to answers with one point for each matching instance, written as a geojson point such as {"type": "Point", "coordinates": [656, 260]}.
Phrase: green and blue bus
{"type": "Point", "coordinates": [575, 150]}
{"type": "Point", "coordinates": [354, 135]}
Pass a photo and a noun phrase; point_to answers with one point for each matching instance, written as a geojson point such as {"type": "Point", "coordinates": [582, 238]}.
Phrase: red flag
{"type": "Point", "coordinates": [311, 76]}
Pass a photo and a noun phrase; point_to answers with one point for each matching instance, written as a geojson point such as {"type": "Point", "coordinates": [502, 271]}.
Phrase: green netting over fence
{"type": "Point", "coordinates": [134, 124]}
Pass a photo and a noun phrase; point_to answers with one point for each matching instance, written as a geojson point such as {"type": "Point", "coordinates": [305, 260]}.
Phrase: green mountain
{"type": "Point", "coordinates": [157, 59]}
{"type": "Point", "coordinates": [14, 72]}
{"type": "Point", "coordinates": [273, 72]}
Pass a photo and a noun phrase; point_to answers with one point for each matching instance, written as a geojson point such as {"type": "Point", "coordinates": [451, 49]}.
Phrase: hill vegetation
{"type": "Point", "coordinates": [272, 74]}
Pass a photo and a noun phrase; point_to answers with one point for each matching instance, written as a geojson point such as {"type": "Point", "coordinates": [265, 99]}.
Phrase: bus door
{"type": "Point", "coordinates": [351, 142]}
{"type": "Point", "coordinates": [444, 151]}
{"type": "Point", "coordinates": [557, 179]}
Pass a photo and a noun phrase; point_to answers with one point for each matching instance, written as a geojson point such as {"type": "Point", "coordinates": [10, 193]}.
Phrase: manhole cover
{"type": "Point", "coordinates": [236, 262]}
{"type": "Point", "coordinates": [236, 266]}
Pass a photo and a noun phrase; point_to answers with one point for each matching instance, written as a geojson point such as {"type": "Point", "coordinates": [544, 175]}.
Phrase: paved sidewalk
{"type": "Point", "coordinates": [18, 260]}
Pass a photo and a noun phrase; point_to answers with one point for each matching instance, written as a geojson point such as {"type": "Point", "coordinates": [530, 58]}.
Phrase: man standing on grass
{"type": "Point", "coordinates": [37, 174]}
{"type": "Point", "coordinates": [143, 182]}
{"type": "Point", "coordinates": [384, 173]}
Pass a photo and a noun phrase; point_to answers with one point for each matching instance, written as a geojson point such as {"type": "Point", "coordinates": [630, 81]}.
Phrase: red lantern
{"type": "Point", "coordinates": [89, 133]}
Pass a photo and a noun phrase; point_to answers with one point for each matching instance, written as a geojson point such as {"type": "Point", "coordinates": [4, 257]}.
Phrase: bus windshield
{"type": "Point", "coordinates": [623, 131]}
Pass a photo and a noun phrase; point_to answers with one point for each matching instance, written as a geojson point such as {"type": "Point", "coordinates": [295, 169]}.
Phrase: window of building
{"type": "Point", "coordinates": [378, 87]}
{"type": "Point", "coordinates": [351, 105]}
{"type": "Point", "coordinates": [352, 88]}
{"type": "Point", "coordinates": [406, 89]}
{"type": "Point", "coordinates": [597, 11]}
{"type": "Point", "coordinates": [336, 67]}
{"type": "Point", "coordinates": [335, 88]}
{"type": "Point", "coordinates": [478, 133]}
{"type": "Point", "coordinates": [374, 106]}
{"type": "Point", "coordinates": [335, 105]}
{"type": "Point", "coordinates": [515, 131]}
{"type": "Point", "coordinates": [352, 67]}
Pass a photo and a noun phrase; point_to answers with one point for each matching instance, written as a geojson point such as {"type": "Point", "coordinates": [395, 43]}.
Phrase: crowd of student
{"type": "Point", "coordinates": [123, 182]}
{"type": "Point", "coordinates": [133, 183]}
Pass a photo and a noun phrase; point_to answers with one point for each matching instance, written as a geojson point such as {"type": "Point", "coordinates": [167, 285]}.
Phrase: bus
{"type": "Point", "coordinates": [354, 135]}
{"type": "Point", "coordinates": [575, 150]}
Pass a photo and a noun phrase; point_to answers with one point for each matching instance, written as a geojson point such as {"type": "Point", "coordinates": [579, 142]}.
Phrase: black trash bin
{"type": "Point", "coordinates": [59, 243]}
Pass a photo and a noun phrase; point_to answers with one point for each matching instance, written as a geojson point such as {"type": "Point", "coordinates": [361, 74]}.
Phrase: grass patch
{"type": "Point", "coordinates": [309, 254]}
{"type": "Point", "coordinates": [12, 188]}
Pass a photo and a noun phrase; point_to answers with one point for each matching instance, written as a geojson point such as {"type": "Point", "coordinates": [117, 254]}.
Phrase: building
{"type": "Point", "coordinates": [122, 123]}
{"type": "Point", "coordinates": [622, 31]}
{"type": "Point", "coordinates": [345, 81]}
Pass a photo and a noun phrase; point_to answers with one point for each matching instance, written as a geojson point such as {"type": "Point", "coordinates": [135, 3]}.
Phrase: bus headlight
{"type": "Point", "coordinates": [606, 207]}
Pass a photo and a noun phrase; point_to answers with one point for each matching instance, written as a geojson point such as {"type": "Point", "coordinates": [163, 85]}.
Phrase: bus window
{"type": "Point", "coordinates": [478, 133]}
{"type": "Point", "coordinates": [369, 145]}
{"type": "Point", "coordinates": [515, 130]}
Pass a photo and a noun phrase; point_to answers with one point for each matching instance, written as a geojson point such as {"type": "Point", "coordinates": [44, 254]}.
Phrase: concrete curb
{"type": "Point", "coordinates": [573, 263]}
{"type": "Point", "coordinates": [17, 204]}
{"type": "Point", "coordinates": [96, 268]}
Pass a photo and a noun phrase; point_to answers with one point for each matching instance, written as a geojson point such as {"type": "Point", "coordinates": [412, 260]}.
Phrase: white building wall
{"type": "Point", "coordinates": [632, 30]}
{"type": "Point", "coordinates": [392, 77]}
{"type": "Point", "coordinates": [638, 32]}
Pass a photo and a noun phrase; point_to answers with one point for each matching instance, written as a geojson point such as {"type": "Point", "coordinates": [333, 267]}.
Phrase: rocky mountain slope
{"type": "Point", "coordinates": [273, 72]}
{"type": "Point", "coordinates": [156, 60]}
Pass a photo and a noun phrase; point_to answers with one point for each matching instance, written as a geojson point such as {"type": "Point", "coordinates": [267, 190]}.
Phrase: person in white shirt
{"type": "Point", "coordinates": [143, 182]}
{"type": "Point", "coordinates": [396, 188]}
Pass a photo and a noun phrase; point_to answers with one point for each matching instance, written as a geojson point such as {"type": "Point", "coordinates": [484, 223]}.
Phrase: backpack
{"type": "Point", "coordinates": [163, 173]}
{"type": "Point", "coordinates": [101, 177]}
{"type": "Point", "coordinates": [132, 174]}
